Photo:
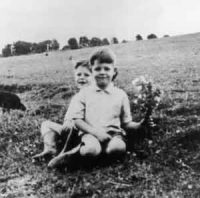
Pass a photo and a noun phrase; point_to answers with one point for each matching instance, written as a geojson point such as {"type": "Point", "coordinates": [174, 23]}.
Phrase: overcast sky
{"type": "Point", "coordinates": [38, 20]}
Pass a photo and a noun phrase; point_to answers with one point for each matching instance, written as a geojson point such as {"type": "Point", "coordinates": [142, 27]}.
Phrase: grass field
{"type": "Point", "coordinates": [169, 167]}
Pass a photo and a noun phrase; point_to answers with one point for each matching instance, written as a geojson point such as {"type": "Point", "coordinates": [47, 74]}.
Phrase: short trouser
{"type": "Point", "coordinates": [92, 145]}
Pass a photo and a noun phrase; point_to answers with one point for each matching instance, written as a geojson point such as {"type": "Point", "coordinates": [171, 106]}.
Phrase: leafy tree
{"type": "Point", "coordinates": [73, 44]}
{"type": "Point", "coordinates": [42, 46]}
{"type": "Point", "coordinates": [138, 37]}
{"type": "Point", "coordinates": [34, 48]}
{"type": "Point", "coordinates": [105, 41]}
{"type": "Point", "coordinates": [22, 47]}
{"type": "Point", "coordinates": [95, 41]}
{"type": "Point", "coordinates": [6, 51]}
{"type": "Point", "coordinates": [114, 40]}
{"type": "Point", "coordinates": [151, 36]}
{"type": "Point", "coordinates": [84, 41]}
{"type": "Point", "coordinates": [55, 45]}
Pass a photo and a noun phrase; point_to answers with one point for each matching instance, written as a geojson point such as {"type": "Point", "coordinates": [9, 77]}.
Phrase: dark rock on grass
{"type": "Point", "coordinates": [9, 101]}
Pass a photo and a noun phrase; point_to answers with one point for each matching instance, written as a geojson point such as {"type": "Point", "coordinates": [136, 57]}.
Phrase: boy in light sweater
{"type": "Point", "coordinates": [101, 112]}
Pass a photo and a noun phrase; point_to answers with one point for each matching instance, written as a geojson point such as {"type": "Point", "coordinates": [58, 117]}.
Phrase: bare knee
{"type": "Point", "coordinates": [116, 146]}
{"type": "Point", "coordinates": [86, 150]}
{"type": "Point", "coordinates": [90, 147]}
{"type": "Point", "coordinates": [49, 126]}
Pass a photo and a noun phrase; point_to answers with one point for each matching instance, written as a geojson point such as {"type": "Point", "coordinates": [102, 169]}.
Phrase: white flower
{"type": "Point", "coordinates": [145, 94]}
{"type": "Point", "coordinates": [157, 99]}
{"type": "Point", "coordinates": [140, 96]}
{"type": "Point", "coordinates": [137, 86]}
{"type": "Point", "coordinates": [135, 101]}
{"type": "Point", "coordinates": [139, 81]}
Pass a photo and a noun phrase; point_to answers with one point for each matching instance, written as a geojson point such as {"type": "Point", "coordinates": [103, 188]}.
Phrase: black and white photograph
{"type": "Point", "coordinates": [99, 99]}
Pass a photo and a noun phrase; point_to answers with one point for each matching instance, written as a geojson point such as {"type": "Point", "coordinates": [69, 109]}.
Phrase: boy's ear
{"type": "Point", "coordinates": [115, 73]}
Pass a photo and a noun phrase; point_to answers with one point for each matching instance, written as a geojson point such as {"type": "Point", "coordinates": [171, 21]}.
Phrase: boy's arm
{"type": "Point", "coordinates": [126, 117]}
{"type": "Point", "coordinates": [68, 122]}
{"type": "Point", "coordinates": [70, 109]}
{"type": "Point", "coordinates": [132, 125]}
{"type": "Point", "coordinates": [100, 134]}
{"type": "Point", "coordinates": [67, 125]}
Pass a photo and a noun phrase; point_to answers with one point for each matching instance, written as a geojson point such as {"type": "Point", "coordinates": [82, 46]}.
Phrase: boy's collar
{"type": "Point", "coordinates": [108, 89]}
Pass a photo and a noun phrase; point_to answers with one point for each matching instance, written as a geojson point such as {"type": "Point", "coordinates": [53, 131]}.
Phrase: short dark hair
{"type": "Point", "coordinates": [83, 63]}
{"type": "Point", "coordinates": [103, 55]}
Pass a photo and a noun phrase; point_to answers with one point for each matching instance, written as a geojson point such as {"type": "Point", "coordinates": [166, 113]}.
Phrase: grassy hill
{"type": "Point", "coordinates": [169, 167]}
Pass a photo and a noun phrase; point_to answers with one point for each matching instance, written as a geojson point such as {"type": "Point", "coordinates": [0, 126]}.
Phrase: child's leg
{"type": "Point", "coordinates": [90, 146]}
{"type": "Point", "coordinates": [116, 146]}
{"type": "Point", "coordinates": [49, 132]}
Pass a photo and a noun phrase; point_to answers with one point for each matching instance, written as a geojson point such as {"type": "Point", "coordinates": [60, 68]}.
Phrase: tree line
{"type": "Point", "coordinates": [84, 41]}
{"type": "Point", "coordinates": [23, 47]}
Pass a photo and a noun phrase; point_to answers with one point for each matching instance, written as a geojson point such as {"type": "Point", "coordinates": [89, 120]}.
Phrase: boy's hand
{"type": "Point", "coordinates": [113, 130]}
{"type": "Point", "coordinates": [147, 122]}
{"type": "Point", "coordinates": [67, 125]}
{"type": "Point", "coordinates": [146, 126]}
{"type": "Point", "coordinates": [102, 136]}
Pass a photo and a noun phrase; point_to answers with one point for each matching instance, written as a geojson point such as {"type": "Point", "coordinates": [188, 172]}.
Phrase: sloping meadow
{"type": "Point", "coordinates": [166, 166]}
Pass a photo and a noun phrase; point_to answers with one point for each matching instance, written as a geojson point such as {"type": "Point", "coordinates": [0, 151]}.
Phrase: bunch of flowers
{"type": "Point", "coordinates": [146, 97]}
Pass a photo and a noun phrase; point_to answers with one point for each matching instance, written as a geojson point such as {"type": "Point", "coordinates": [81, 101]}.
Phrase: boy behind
{"type": "Point", "coordinates": [51, 130]}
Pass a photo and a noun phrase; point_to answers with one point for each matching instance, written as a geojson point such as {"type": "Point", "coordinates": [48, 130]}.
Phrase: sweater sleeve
{"type": "Point", "coordinates": [76, 109]}
{"type": "Point", "coordinates": [125, 112]}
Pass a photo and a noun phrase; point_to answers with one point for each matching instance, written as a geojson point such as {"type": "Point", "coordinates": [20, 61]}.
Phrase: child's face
{"type": "Point", "coordinates": [103, 74]}
{"type": "Point", "coordinates": [82, 77]}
